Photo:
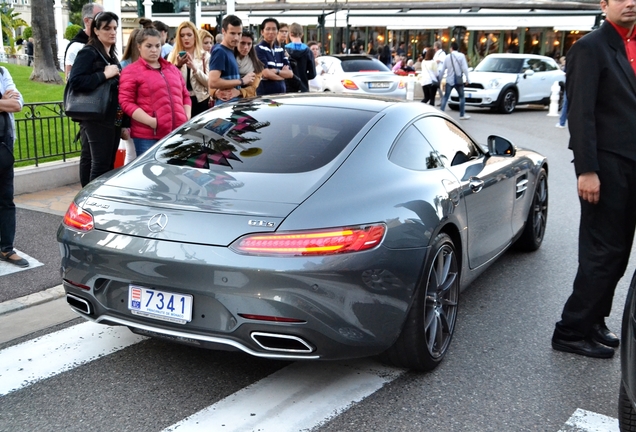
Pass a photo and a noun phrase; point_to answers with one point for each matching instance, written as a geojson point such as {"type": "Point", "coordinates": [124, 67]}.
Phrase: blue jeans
{"type": "Point", "coordinates": [7, 209]}
{"type": "Point", "coordinates": [462, 99]}
{"type": "Point", "coordinates": [564, 111]}
{"type": "Point", "coordinates": [143, 144]}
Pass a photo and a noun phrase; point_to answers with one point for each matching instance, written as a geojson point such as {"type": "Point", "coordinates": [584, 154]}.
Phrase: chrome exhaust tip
{"type": "Point", "coordinates": [281, 343]}
{"type": "Point", "coordinates": [79, 304]}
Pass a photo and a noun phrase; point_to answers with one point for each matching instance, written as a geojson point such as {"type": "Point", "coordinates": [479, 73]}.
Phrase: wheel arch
{"type": "Point", "coordinates": [505, 89]}
{"type": "Point", "coordinates": [452, 231]}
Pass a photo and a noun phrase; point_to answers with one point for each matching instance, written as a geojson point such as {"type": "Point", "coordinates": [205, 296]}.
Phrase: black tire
{"type": "Point", "coordinates": [534, 230]}
{"type": "Point", "coordinates": [508, 101]}
{"type": "Point", "coordinates": [454, 107]}
{"type": "Point", "coordinates": [626, 412]}
{"type": "Point", "coordinates": [430, 324]}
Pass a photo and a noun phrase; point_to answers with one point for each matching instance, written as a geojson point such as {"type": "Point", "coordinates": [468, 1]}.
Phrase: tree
{"type": "Point", "coordinates": [10, 21]}
{"type": "Point", "coordinates": [27, 33]}
{"type": "Point", "coordinates": [44, 69]}
{"type": "Point", "coordinates": [75, 11]}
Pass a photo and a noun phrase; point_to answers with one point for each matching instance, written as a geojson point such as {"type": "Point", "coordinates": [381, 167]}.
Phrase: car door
{"type": "Point", "coordinates": [529, 83]}
{"type": "Point", "coordinates": [487, 187]}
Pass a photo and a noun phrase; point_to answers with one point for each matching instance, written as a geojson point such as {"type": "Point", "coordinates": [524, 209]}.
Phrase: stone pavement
{"type": "Point", "coordinates": [54, 201]}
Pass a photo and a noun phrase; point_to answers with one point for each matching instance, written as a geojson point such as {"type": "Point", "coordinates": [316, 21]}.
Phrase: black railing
{"type": "Point", "coordinates": [44, 133]}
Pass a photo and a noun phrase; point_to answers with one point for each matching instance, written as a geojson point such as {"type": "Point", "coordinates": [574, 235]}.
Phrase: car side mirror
{"type": "Point", "coordinates": [528, 72]}
{"type": "Point", "coordinates": [499, 146]}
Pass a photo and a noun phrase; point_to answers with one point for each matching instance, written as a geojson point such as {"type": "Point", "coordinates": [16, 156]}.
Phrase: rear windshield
{"type": "Point", "coordinates": [498, 64]}
{"type": "Point", "coordinates": [363, 65]}
{"type": "Point", "coordinates": [263, 136]}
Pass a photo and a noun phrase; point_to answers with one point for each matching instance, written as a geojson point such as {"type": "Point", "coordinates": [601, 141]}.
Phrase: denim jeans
{"type": "Point", "coordinates": [564, 111]}
{"type": "Point", "coordinates": [462, 99]}
{"type": "Point", "coordinates": [143, 144]}
{"type": "Point", "coordinates": [7, 209]}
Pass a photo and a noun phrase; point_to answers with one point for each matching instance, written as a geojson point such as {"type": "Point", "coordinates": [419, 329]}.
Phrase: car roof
{"type": "Point", "coordinates": [347, 101]}
{"type": "Point", "coordinates": [520, 56]}
{"type": "Point", "coordinates": [343, 57]}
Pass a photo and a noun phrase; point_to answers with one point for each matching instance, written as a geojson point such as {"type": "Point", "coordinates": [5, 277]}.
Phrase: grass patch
{"type": "Point", "coordinates": [32, 91]}
{"type": "Point", "coordinates": [42, 134]}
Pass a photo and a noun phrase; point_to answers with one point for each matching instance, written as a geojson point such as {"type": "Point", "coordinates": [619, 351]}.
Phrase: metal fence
{"type": "Point", "coordinates": [44, 133]}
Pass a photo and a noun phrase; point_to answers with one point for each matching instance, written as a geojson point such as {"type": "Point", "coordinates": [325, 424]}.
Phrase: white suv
{"type": "Point", "coordinates": [503, 81]}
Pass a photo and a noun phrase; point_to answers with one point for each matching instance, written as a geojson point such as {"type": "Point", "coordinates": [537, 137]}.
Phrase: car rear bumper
{"type": "Point", "coordinates": [350, 305]}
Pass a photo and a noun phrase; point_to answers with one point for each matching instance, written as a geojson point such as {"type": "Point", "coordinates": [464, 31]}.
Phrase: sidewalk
{"type": "Point", "coordinates": [53, 201]}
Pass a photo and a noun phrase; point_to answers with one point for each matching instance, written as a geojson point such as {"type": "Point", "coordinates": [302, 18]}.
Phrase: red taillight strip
{"type": "Point", "coordinates": [271, 318]}
{"type": "Point", "coordinates": [78, 218]}
{"type": "Point", "coordinates": [320, 242]}
{"type": "Point", "coordinates": [349, 85]}
{"type": "Point", "coordinates": [78, 285]}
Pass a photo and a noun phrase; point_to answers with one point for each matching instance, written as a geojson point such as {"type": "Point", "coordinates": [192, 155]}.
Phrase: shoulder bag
{"type": "Point", "coordinates": [89, 105]}
{"type": "Point", "coordinates": [459, 79]}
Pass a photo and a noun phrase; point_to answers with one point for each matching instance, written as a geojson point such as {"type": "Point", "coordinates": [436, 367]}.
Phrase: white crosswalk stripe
{"type": "Point", "coordinates": [297, 397]}
{"type": "Point", "coordinates": [29, 362]}
{"type": "Point", "coordinates": [587, 421]}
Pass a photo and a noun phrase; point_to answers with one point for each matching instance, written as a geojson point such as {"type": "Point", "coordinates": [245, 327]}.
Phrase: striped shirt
{"type": "Point", "coordinates": [272, 58]}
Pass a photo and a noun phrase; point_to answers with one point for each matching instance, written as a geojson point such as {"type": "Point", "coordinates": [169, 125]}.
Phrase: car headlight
{"type": "Point", "coordinates": [493, 83]}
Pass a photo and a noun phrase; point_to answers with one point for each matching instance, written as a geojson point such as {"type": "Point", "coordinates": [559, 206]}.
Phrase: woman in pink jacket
{"type": "Point", "coordinates": [153, 93]}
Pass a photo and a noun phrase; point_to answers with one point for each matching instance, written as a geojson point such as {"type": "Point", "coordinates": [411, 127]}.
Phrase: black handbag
{"type": "Point", "coordinates": [89, 105]}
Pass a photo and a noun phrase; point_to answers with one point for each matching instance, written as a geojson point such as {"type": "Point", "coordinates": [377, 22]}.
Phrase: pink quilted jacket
{"type": "Point", "coordinates": [160, 93]}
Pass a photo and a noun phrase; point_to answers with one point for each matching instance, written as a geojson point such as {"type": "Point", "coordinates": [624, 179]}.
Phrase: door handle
{"type": "Point", "coordinates": [476, 185]}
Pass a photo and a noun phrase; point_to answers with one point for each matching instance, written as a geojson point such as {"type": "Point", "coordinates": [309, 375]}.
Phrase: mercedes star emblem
{"type": "Point", "coordinates": [158, 222]}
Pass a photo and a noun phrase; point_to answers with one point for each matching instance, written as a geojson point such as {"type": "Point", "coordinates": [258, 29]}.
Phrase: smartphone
{"type": "Point", "coordinates": [182, 53]}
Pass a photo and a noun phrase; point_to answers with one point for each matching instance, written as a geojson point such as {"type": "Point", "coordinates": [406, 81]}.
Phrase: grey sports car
{"type": "Point", "coordinates": [305, 226]}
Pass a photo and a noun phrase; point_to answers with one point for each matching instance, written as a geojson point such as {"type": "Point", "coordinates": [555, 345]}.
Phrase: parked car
{"type": "Point", "coordinates": [361, 75]}
{"type": "Point", "coordinates": [627, 392]}
{"type": "Point", "coordinates": [503, 81]}
{"type": "Point", "coordinates": [311, 226]}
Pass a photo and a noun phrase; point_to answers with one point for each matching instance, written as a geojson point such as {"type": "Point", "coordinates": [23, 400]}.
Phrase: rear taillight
{"type": "Point", "coordinates": [78, 218]}
{"type": "Point", "coordinates": [402, 85]}
{"type": "Point", "coordinates": [318, 242]}
{"type": "Point", "coordinates": [349, 85]}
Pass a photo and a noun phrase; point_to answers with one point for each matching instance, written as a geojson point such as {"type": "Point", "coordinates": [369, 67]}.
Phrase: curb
{"type": "Point", "coordinates": [32, 299]}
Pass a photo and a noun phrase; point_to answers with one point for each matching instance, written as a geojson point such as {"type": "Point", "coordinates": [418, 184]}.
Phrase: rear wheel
{"type": "Point", "coordinates": [536, 222]}
{"type": "Point", "coordinates": [508, 101]}
{"type": "Point", "coordinates": [626, 412]}
{"type": "Point", "coordinates": [430, 323]}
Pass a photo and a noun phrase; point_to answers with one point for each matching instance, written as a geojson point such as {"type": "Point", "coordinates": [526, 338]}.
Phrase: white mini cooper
{"type": "Point", "coordinates": [503, 81]}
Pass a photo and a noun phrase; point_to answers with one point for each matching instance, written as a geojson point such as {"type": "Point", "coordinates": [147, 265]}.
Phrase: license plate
{"type": "Point", "coordinates": [160, 305]}
{"type": "Point", "coordinates": [375, 85]}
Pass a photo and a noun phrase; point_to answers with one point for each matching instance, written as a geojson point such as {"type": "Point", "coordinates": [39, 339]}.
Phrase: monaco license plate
{"type": "Point", "coordinates": [160, 305]}
{"type": "Point", "coordinates": [379, 85]}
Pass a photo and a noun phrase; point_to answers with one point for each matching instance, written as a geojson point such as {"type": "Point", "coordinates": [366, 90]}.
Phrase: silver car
{"type": "Point", "coordinates": [310, 226]}
{"type": "Point", "coordinates": [360, 75]}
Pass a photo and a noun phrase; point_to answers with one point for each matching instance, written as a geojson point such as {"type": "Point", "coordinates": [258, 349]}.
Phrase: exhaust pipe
{"type": "Point", "coordinates": [281, 343]}
{"type": "Point", "coordinates": [79, 304]}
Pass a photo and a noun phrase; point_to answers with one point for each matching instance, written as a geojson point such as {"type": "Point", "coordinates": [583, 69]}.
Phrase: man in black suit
{"type": "Point", "coordinates": [601, 91]}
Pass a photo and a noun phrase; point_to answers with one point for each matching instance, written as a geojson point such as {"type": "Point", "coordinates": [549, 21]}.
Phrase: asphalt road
{"type": "Point", "coordinates": [499, 375]}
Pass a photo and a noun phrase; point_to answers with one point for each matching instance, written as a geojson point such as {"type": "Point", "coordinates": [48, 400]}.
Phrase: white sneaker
{"type": "Point", "coordinates": [560, 126]}
{"type": "Point", "coordinates": [464, 117]}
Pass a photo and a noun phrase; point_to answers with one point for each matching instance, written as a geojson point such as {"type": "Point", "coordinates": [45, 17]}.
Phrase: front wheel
{"type": "Point", "coordinates": [626, 412]}
{"type": "Point", "coordinates": [533, 232]}
{"type": "Point", "coordinates": [508, 102]}
{"type": "Point", "coordinates": [430, 323]}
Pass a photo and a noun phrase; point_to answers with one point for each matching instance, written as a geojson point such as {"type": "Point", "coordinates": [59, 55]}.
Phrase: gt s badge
{"type": "Point", "coordinates": [260, 223]}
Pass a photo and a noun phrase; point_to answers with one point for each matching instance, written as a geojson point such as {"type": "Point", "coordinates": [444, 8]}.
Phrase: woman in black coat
{"type": "Point", "coordinates": [95, 64]}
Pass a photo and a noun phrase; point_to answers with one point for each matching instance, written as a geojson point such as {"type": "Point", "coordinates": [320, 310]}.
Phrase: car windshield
{"type": "Point", "coordinates": [264, 136]}
{"type": "Point", "coordinates": [500, 64]}
{"type": "Point", "coordinates": [363, 64]}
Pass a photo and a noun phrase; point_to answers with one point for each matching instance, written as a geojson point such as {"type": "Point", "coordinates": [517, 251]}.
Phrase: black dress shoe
{"type": "Point", "coordinates": [601, 334]}
{"type": "Point", "coordinates": [585, 347]}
